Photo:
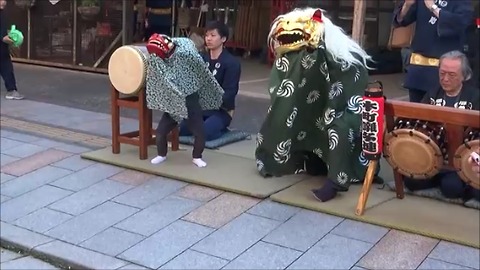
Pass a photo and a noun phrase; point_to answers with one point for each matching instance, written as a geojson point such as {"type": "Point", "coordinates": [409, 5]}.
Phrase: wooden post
{"type": "Point", "coordinates": [358, 27]}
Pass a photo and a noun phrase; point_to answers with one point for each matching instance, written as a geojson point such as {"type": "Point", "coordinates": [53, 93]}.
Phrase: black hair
{"type": "Point", "coordinates": [221, 28]}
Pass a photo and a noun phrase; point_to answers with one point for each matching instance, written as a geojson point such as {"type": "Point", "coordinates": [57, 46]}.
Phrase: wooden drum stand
{"type": "Point", "coordinates": [145, 135]}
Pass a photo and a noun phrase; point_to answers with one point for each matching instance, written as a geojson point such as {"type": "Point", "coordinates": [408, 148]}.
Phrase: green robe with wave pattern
{"type": "Point", "coordinates": [315, 108]}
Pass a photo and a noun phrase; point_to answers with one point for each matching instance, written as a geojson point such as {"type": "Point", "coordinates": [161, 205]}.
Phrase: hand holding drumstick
{"type": "Point", "coordinates": [474, 160]}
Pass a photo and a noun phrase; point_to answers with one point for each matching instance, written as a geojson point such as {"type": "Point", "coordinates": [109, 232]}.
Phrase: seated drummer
{"type": "Point", "coordinates": [454, 70]}
{"type": "Point", "coordinates": [226, 69]}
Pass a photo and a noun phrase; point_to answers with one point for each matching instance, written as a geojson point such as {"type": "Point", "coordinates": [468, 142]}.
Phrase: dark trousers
{"type": "Point", "coordinates": [194, 123]}
{"type": "Point", "coordinates": [450, 184]}
{"type": "Point", "coordinates": [6, 71]}
{"type": "Point", "coordinates": [158, 29]}
{"type": "Point", "coordinates": [215, 124]}
{"type": "Point", "coordinates": [416, 95]}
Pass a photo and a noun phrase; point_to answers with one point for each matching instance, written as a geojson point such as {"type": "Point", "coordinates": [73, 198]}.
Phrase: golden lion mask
{"type": "Point", "coordinates": [296, 30]}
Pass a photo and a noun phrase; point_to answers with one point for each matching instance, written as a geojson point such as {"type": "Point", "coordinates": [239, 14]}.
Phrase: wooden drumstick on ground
{"type": "Point", "coordinates": [367, 185]}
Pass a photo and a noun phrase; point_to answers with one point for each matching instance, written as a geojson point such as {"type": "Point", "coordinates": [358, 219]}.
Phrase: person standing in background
{"type": "Point", "coordinates": [158, 17]}
{"type": "Point", "coordinates": [6, 66]}
{"type": "Point", "coordinates": [472, 44]}
{"type": "Point", "coordinates": [440, 27]}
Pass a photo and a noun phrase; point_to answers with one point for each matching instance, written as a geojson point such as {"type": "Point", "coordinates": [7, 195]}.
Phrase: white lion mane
{"type": "Point", "coordinates": [342, 47]}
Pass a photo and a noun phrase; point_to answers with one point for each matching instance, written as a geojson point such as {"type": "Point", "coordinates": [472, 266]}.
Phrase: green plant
{"type": "Point", "coordinates": [89, 3]}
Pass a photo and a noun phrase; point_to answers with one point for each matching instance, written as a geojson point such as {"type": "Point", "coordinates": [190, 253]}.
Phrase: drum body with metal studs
{"type": "Point", "coordinates": [471, 142]}
{"type": "Point", "coordinates": [127, 68]}
{"type": "Point", "coordinates": [415, 148]}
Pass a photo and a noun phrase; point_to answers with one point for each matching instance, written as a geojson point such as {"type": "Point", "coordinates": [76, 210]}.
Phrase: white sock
{"type": "Point", "coordinates": [199, 162]}
{"type": "Point", "coordinates": [158, 160]}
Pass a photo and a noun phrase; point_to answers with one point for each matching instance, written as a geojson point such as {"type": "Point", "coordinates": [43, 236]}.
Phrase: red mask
{"type": "Point", "coordinates": [160, 45]}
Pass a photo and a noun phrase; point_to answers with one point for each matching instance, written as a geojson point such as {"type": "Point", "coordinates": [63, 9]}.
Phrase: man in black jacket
{"type": "Point", "coordinates": [454, 70]}
{"type": "Point", "coordinates": [6, 66]}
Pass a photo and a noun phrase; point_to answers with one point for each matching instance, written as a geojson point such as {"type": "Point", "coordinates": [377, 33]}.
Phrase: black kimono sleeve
{"type": "Point", "coordinates": [408, 19]}
{"type": "Point", "coordinates": [453, 22]}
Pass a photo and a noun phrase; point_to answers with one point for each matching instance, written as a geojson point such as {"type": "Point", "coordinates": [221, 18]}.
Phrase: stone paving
{"type": "Point", "coordinates": [81, 213]}
{"type": "Point", "coordinates": [12, 260]}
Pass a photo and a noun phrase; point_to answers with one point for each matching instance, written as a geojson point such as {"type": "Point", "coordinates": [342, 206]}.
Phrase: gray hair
{"type": "Point", "coordinates": [466, 69]}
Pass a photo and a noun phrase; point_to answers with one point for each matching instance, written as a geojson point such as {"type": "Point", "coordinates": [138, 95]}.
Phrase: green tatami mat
{"type": "Point", "coordinates": [224, 171]}
{"type": "Point", "coordinates": [245, 148]}
{"type": "Point", "coordinates": [413, 214]}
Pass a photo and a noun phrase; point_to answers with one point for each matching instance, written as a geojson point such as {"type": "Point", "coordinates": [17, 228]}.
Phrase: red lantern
{"type": "Point", "coordinates": [373, 122]}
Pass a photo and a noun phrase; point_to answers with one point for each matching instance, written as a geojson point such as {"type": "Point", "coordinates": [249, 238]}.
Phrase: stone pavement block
{"type": "Point", "coordinates": [74, 163]}
{"type": "Point", "coordinates": [158, 216]}
{"type": "Point", "coordinates": [24, 150]}
{"type": "Point", "coordinates": [21, 238]}
{"type": "Point", "coordinates": [76, 256]}
{"type": "Point", "coordinates": [34, 162]}
{"type": "Point", "coordinates": [166, 244]}
{"type": "Point", "coordinates": [26, 263]}
{"type": "Point", "coordinates": [74, 149]}
{"type": "Point", "coordinates": [150, 192]}
{"type": "Point", "coordinates": [8, 255]}
{"type": "Point", "coordinates": [361, 231]}
{"type": "Point", "coordinates": [88, 224]}
{"type": "Point", "coordinates": [6, 159]}
{"type": "Point", "coordinates": [190, 260]}
{"type": "Point", "coordinates": [6, 133]}
{"type": "Point", "coordinates": [48, 143]}
{"type": "Point", "coordinates": [6, 144]}
{"type": "Point", "coordinates": [131, 177]}
{"type": "Point", "coordinates": [26, 138]}
{"type": "Point", "coordinates": [6, 177]}
{"type": "Point", "coordinates": [432, 264]}
{"type": "Point", "coordinates": [198, 193]}
{"type": "Point", "coordinates": [357, 268]}
{"type": "Point", "coordinates": [4, 198]}
{"type": "Point", "coordinates": [274, 210]}
{"type": "Point", "coordinates": [265, 256]}
{"type": "Point", "coordinates": [90, 197]}
{"type": "Point", "coordinates": [398, 250]}
{"type": "Point", "coordinates": [221, 210]}
{"type": "Point", "coordinates": [42, 220]}
{"type": "Point", "coordinates": [333, 252]}
{"type": "Point", "coordinates": [87, 177]}
{"type": "Point", "coordinates": [237, 236]}
{"type": "Point", "coordinates": [133, 267]}
{"type": "Point", "coordinates": [30, 202]}
{"type": "Point", "coordinates": [33, 180]}
{"type": "Point", "coordinates": [112, 241]}
{"type": "Point", "coordinates": [456, 254]}
{"type": "Point", "coordinates": [303, 230]}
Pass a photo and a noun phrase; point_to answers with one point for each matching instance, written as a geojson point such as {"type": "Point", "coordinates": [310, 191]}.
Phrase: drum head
{"type": "Point", "coordinates": [127, 69]}
{"type": "Point", "coordinates": [464, 169]}
{"type": "Point", "coordinates": [413, 153]}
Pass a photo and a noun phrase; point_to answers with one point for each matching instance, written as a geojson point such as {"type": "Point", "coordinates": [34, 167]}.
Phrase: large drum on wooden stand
{"type": "Point", "coordinates": [127, 68]}
{"type": "Point", "coordinates": [415, 148]}
{"type": "Point", "coordinates": [471, 142]}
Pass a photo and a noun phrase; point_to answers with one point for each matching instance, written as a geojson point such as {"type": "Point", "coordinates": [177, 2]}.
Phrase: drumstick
{"type": "Point", "coordinates": [362, 199]}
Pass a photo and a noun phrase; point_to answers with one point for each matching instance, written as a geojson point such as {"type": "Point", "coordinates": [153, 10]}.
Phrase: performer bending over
{"type": "Point", "coordinates": [226, 69]}
{"type": "Point", "coordinates": [194, 122]}
{"type": "Point", "coordinates": [454, 71]}
{"type": "Point", "coordinates": [180, 85]}
{"type": "Point", "coordinates": [316, 89]}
